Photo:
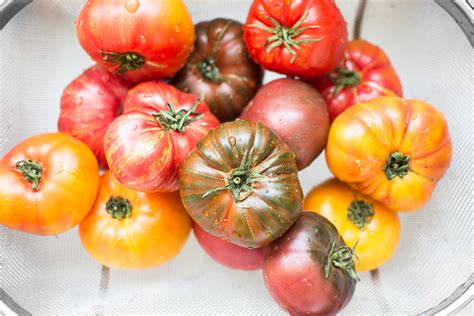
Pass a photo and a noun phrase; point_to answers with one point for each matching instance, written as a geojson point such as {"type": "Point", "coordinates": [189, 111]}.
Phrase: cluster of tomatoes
{"type": "Point", "coordinates": [212, 145]}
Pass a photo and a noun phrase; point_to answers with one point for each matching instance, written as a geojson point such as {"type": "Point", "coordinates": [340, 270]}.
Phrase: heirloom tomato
{"type": "Point", "coordinates": [304, 38]}
{"type": "Point", "coordinates": [364, 74]}
{"type": "Point", "coordinates": [359, 219]}
{"type": "Point", "coordinates": [221, 69]}
{"type": "Point", "coordinates": [160, 125]}
{"type": "Point", "coordinates": [48, 184]}
{"type": "Point", "coordinates": [134, 230]}
{"type": "Point", "coordinates": [296, 112]}
{"type": "Point", "coordinates": [240, 183]}
{"type": "Point", "coordinates": [88, 105]}
{"type": "Point", "coordinates": [140, 39]}
{"type": "Point", "coordinates": [390, 149]}
{"type": "Point", "coordinates": [310, 270]}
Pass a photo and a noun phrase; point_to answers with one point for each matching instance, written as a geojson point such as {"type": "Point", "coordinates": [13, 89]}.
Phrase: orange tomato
{"type": "Point", "coordinates": [134, 230]}
{"type": "Point", "coordinates": [359, 219]}
{"type": "Point", "coordinates": [390, 149]}
{"type": "Point", "coordinates": [48, 184]}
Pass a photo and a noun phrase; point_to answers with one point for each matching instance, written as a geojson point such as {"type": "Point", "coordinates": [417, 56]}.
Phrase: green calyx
{"type": "Point", "coordinates": [126, 61]}
{"type": "Point", "coordinates": [286, 36]}
{"type": "Point", "coordinates": [32, 171]}
{"type": "Point", "coordinates": [118, 207]}
{"type": "Point", "coordinates": [396, 165]}
{"type": "Point", "coordinates": [342, 258]}
{"type": "Point", "coordinates": [177, 121]}
{"type": "Point", "coordinates": [209, 71]}
{"type": "Point", "coordinates": [360, 213]}
{"type": "Point", "coordinates": [343, 77]}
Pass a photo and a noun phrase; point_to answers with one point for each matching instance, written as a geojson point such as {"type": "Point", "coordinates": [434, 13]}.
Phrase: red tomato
{"type": "Point", "coordinates": [141, 39]}
{"type": "Point", "coordinates": [89, 104]}
{"type": "Point", "coordinates": [304, 38]}
{"type": "Point", "coordinates": [364, 74]}
{"type": "Point", "coordinates": [228, 254]}
{"type": "Point", "coordinates": [159, 126]}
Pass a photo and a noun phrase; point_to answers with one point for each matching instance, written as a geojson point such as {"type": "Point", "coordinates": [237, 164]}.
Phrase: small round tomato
{"type": "Point", "coordinates": [296, 112]}
{"type": "Point", "coordinates": [364, 74]}
{"type": "Point", "coordinates": [241, 183]}
{"type": "Point", "coordinates": [48, 184]}
{"type": "Point", "coordinates": [159, 126]}
{"type": "Point", "coordinates": [304, 38]}
{"type": "Point", "coordinates": [390, 149]}
{"type": "Point", "coordinates": [221, 69]}
{"type": "Point", "coordinates": [359, 219]}
{"type": "Point", "coordinates": [310, 270]}
{"type": "Point", "coordinates": [88, 105]}
{"type": "Point", "coordinates": [134, 230]}
{"type": "Point", "coordinates": [228, 254]}
{"type": "Point", "coordinates": [140, 39]}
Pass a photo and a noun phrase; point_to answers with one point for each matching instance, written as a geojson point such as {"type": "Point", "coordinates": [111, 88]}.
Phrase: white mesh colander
{"type": "Point", "coordinates": [40, 55]}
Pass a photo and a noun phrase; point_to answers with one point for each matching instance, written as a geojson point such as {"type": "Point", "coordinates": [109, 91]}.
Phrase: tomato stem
{"type": "Point", "coordinates": [286, 36]}
{"type": "Point", "coordinates": [343, 258]}
{"type": "Point", "coordinates": [118, 207]}
{"type": "Point", "coordinates": [360, 213]}
{"type": "Point", "coordinates": [127, 61]}
{"type": "Point", "coordinates": [177, 121]}
{"type": "Point", "coordinates": [32, 171]}
{"type": "Point", "coordinates": [344, 77]}
{"type": "Point", "coordinates": [396, 165]}
{"type": "Point", "coordinates": [209, 71]}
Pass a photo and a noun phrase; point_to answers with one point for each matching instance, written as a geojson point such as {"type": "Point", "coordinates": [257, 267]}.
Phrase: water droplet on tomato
{"type": "Point", "coordinates": [79, 101]}
{"type": "Point", "coordinates": [307, 282]}
{"type": "Point", "coordinates": [268, 234]}
{"type": "Point", "coordinates": [206, 213]}
{"type": "Point", "coordinates": [232, 141]}
{"type": "Point", "coordinates": [91, 23]}
{"type": "Point", "coordinates": [216, 222]}
{"type": "Point", "coordinates": [142, 38]}
{"type": "Point", "coordinates": [100, 92]}
{"type": "Point", "coordinates": [134, 127]}
{"type": "Point", "coordinates": [105, 78]}
{"type": "Point", "coordinates": [101, 116]}
{"type": "Point", "coordinates": [81, 22]}
{"type": "Point", "coordinates": [132, 5]}
{"type": "Point", "coordinates": [176, 28]}
{"type": "Point", "coordinates": [426, 131]}
{"type": "Point", "coordinates": [123, 40]}
{"type": "Point", "coordinates": [171, 40]}
{"type": "Point", "coordinates": [413, 117]}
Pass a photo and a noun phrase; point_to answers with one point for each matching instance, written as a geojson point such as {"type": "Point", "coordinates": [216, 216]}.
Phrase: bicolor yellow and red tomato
{"type": "Point", "coordinates": [159, 126]}
{"type": "Point", "coordinates": [359, 219]}
{"type": "Point", "coordinates": [134, 230]}
{"type": "Point", "coordinates": [48, 184]}
{"type": "Point", "coordinates": [89, 104]}
{"type": "Point", "coordinates": [364, 74]}
{"type": "Point", "coordinates": [390, 149]}
{"type": "Point", "coordinates": [142, 40]}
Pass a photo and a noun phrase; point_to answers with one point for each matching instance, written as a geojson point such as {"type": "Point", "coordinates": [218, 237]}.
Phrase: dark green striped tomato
{"type": "Point", "coordinates": [240, 183]}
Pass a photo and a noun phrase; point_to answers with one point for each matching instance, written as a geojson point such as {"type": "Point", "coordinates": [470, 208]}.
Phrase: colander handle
{"type": "Point", "coordinates": [8, 9]}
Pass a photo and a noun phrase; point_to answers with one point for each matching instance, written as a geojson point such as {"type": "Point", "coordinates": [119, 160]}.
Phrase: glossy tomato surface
{"type": "Point", "coordinates": [221, 69]}
{"type": "Point", "coordinates": [296, 112]}
{"type": "Point", "coordinates": [240, 183]}
{"type": "Point", "coordinates": [88, 105]}
{"type": "Point", "coordinates": [228, 254]}
{"type": "Point", "coordinates": [310, 270]}
{"type": "Point", "coordinates": [159, 126]}
{"type": "Point", "coordinates": [140, 39]}
{"type": "Point", "coordinates": [390, 149]}
{"type": "Point", "coordinates": [359, 219]}
{"type": "Point", "coordinates": [364, 74]}
{"type": "Point", "coordinates": [304, 38]}
{"type": "Point", "coordinates": [134, 230]}
{"type": "Point", "coordinates": [48, 184]}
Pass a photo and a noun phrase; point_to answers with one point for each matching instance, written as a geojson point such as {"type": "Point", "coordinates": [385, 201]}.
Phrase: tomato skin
{"type": "Point", "coordinates": [66, 191]}
{"type": "Point", "coordinates": [233, 78]}
{"type": "Point", "coordinates": [294, 269]}
{"type": "Point", "coordinates": [228, 254]}
{"type": "Point", "coordinates": [154, 233]}
{"type": "Point", "coordinates": [363, 137]}
{"type": "Point", "coordinates": [88, 105]}
{"type": "Point", "coordinates": [294, 111]}
{"type": "Point", "coordinates": [161, 32]}
{"type": "Point", "coordinates": [141, 153]}
{"type": "Point", "coordinates": [312, 59]}
{"type": "Point", "coordinates": [377, 78]}
{"type": "Point", "coordinates": [376, 242]}
{"type": "Point", "coordinates": [240, 183]}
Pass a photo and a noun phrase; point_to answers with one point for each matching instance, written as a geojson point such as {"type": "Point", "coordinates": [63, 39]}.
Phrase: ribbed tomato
{"type": "Point", "coordinates": [160, 125]}
{"type": "Point", "coordinates": [390, 149]}
{"type": "Point", "coordinates": [140, 39]}
{"type": "Point", "coordinates": [364, 74]}
{"type": "Point", "coordinates": [88, 105]}
{"type": "Point", "coordinates": [240, 183]}
{"type": "Point", "coordinates": [134, 230]}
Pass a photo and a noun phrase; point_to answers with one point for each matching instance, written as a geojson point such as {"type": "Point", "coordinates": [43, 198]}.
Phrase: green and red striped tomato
{"type": "Point", "coordinates": [240, 183]}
